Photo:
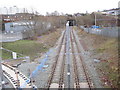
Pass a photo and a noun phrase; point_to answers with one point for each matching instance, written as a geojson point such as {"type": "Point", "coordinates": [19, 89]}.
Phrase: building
{"type": "Point", "coordinates": [5, 18]}
{"type": "Point", "coordinates": [24, 16]}
{"type": "Point", "coordinates": [79, 14]}
{"type": "Point", "coordinates": [113, 12]}
{"type": "Point", "coordinates": [17, 17]}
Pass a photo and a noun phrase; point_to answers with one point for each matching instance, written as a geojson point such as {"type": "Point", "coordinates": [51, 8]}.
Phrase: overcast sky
{"type": "Point", "coordinates": [65, 6]}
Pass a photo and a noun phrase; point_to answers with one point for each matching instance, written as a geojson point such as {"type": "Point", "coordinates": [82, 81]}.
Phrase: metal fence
{"type": "Point", "coordinates": [10, 37]}
{"type": "Point", "coordinates": [106, 31]}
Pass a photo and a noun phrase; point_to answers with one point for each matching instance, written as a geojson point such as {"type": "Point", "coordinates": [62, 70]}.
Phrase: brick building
{"type": "Point", "coordinates": [17, 17]}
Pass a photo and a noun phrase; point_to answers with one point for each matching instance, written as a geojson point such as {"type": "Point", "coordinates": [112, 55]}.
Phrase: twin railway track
{"type": "Point", "coordinates": [77, 68]}
{"type": "Point", "coordinates": [68, 70]}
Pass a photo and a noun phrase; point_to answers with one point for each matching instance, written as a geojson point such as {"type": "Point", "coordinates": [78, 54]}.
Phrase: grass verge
{"type": "Point", "coordinates": [106, 50]}
{"type": "Point", "coordinates": [25, 47]}
{"type": "Point", "coordinates": [32, 48]}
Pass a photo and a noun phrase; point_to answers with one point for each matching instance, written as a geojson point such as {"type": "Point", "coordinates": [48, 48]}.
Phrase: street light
{"type": "Point", "coordinates": [6, 10]}
{"type": "Point", "coordinates": [116, 13]}
{"type": "Point", "coordinates": [95, 19]}
{"type": "Point", "coordinates": [17, 9]}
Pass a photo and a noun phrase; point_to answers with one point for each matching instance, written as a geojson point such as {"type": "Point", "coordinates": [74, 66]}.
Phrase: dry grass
{"type": "Point", "coordinates": [105, 49]}
{"type": "Point", "coordinates": [32, 48]}
{"type": "Point", "coordinates": [50, 38]}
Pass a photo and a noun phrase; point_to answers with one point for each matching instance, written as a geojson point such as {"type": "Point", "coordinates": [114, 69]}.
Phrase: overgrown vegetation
{"type": "Point", "coordinates": [32, 48]}
{"type": "Point", "coordinates": [110, 64]}
{"type": "Point", "coordinates": [25, 47]}
{"type": "Point", "coordinates": [101, 20]}
{"type": "Point", "coordinates": [39, 24]}
{"type": "Point", "coordinates": [104, 49]}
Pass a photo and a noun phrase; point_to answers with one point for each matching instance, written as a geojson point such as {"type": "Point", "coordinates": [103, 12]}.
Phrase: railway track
{"type": "Point", "coordinates": [75, 67]}
{"type": "Point", "coordinates": [16, 78]}
{"type": "Point", "coordinates": [80, 77]}
{"type": "Point", "coordinates": [62, 72]}
{"type": "Point", "coordinates": [86, 80]}
{"type": "Point", "coordinates": [50, 82]}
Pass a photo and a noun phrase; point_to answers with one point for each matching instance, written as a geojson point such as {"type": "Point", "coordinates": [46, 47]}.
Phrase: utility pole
{"type": "Point", "coordinates": [116, 17]}
{"type": "Point", "coordinates": [95, 19]}
{"type": "Point", "coordinates": [7, 10]}
{"type": "Point", "coordinates": [12, 17]}
{"type": "Point", "coordinates": [17, 11]}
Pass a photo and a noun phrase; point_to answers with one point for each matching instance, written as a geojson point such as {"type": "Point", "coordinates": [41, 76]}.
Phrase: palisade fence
{"type": "Point", "coordinates": [106, 31]}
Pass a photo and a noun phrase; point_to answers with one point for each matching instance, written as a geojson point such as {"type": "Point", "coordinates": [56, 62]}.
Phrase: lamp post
{"type": "Point", "coordinates": [116, 13]}
{"type": "Point", "coordinates": [6, 10]}
{"type": "Point", "coordinates": [10, 9]}
{"type": "Point", "coordinates": [95, 19]}
{"type": "Point", "coordinates": [17, 9]}
{"type": "Point", "coordinates": [3, 24]}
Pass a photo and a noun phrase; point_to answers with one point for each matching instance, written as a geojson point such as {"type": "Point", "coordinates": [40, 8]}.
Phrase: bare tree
{"type": "Point", "coordinates": [38, 24]}
{"type": "Point", "coordinates": [30, 20]}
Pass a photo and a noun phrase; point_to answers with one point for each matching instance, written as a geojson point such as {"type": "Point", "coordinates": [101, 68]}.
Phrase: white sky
{"type": "Point", "coordinates": [65, 6]}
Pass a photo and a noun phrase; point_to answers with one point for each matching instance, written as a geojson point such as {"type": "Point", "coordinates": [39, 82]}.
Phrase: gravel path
{"type": "Point", "coordinates": [41, 76]}
{"type": "Point", "coordinates": [89, 64]}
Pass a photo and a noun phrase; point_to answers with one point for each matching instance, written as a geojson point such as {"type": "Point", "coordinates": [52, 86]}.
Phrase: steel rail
{"type": "Point", "coordinates": [55, 63]}
{"type": "Point", "coordinates": [61, 79]}
{"type": "Point", "coordinates": [75, 65]}
{"type": "Point", "coordinates": [83, 65]}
